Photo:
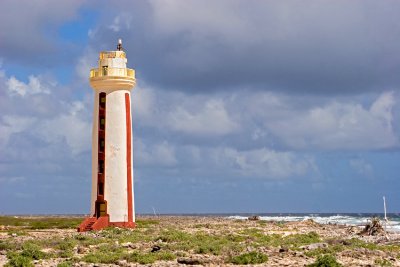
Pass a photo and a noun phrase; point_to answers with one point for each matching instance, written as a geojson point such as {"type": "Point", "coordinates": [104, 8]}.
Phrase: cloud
{"type": "Point", "coordinates": [211, 119]}
{"type": "Point", "coordinates": [85, 63]}
{"type": "Point", "coordinates": [11, 124]}
{"type": "Point", "coordinates": [70, 127]}
{"type": "Point", "coordinates": [337, 126]}
{"type": "Point", "coordinates": [34, 24]}
{"type": "Point", "coordinates": [33, 87]}
{"type": "Point", "coordinates": [264, 163]}
{"type": "Point", "coordinates": [362, 167]}
{"type": "Point", "coordinates": [121, 21]}
{"type": "Point", "coordinates": [161, 154]}
{"type": "Point", "coordinates": [339, 48]}
{"type": "Point", "coordinates": [267, 119]}
{"type": "Point", "coordinates": [43, 114]}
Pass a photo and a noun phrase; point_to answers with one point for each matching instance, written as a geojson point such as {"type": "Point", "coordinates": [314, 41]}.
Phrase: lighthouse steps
{"type": "Point", "coordinates": [93, 223]}
{"type": "Point", "coordinates": [89, 227]}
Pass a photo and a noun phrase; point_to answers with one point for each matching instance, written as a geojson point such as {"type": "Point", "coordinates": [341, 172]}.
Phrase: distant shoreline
{"type": "Point", "coordinates": [323, 214]}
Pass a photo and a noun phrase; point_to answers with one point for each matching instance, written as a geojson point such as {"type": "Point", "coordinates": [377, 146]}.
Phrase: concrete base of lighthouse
{"type": "Point", "coordinates": [93, 223]}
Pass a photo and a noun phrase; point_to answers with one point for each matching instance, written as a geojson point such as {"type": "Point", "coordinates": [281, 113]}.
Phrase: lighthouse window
{"type": "Point", "coordinates": [101, 166]}
{"type": "Point", "coordinates": [102, 100]}
{"type": "Point", "coordinates": [105, 70]}
{"type": "Point", "coordinates": [101, 189]}
{"type": "Point", "coordinates": [101, 144]}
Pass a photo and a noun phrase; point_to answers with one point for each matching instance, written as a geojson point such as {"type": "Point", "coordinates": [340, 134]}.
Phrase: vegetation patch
{"type": "Point", "coordinates": [383, 262]}
{"type": "Point", "coordinates": [33, 251]}
{"type": "Point", "coordinates": [145, 223]}
{"type": "Point", "coordinates": [148, 258]}
{"type": "Point", "coordinates": [326, 260]}
{"type": "Point", "coordinates": [41, 222]}
{"type": "Point", "coordinates": [249, 258]}
{"type": "Point", "coordinates": [228, 242]}
{"type": "Point", "coordinates": [331, 249]}
{"type": "Point", "coordinates": [65, 264]}
{"type": "Point", "coordinates": [17, 260]}
{"type": "Point", "coordinates": [7, 246]}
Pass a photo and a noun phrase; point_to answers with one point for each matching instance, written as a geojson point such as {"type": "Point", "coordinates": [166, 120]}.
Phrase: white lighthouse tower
{"type": "Point", "coordinates": [112, 201]}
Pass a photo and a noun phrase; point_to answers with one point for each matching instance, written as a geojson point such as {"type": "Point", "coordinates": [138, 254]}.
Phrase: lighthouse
{"type": "Point", "coordinates": [112, 200]}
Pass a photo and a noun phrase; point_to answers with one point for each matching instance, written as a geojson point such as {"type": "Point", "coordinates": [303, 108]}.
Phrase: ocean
{"type": "Point", "coordinates": [355, 219]}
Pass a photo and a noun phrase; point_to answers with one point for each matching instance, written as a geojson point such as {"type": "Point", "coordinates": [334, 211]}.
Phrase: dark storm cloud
{"type": "Point", "coordinates": [298, 46]}
{"type": "Point", "coordinates": [29, 31]}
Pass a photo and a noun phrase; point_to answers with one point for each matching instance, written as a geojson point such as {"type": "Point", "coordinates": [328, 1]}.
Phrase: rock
{"type": "Point", "coordinates": [155, 248]}
{"type": "Point", "coordinates": [189, 261]}
{"type": "Point", "coordinates": [253, 218]}
{"type": "Point", "coordinates": [82, 250]}
{"type": "Point", "coordinates": [314, 246]}
{"type": "Point", "coordinates": [249, 249]}
{"type": "Point", "coordinates": [283, 249]}
{"type": "Point", "coordinates": [311, 222]}
{"type": "Point", "coordinates": [339, 242]}
{"type": "Point", "coordinates": [123, 263]}
{"type": "Point", "coordinates": [127, 245]}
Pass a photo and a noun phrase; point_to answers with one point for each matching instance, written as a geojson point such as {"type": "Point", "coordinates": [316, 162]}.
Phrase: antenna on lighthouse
{"type": "Point", "coordinates": [119, 46]}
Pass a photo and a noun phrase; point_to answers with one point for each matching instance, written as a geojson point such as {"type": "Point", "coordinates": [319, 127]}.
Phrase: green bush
{"type": "Point", "coordinates": [17, 260]}
{"type": "Point", "coordinates": [301, 239]}
{"type": "Point", "coordinates": [383, 262]}
{"type": "Point", "coordinates": [40, 222]}
{"type": "Point", "coordinates": [148, 258]}
{"type": "Point", "coordinates": [249, 258]}
{"type": "Point", "coordinates": [5, 245]}
{"type": "Point", "coordinates": [172, 235]}
{"type": "Point", "coordinates": [32, 251]}
{"type": "Point", "coordinates": [107, 253]}
{"type": "Point", "coordinates": [65, 264]}
{"type": "Point", "coordinates": [145, 223]}
{"type": "Point", "coordinates": [326, 260]}
{"type": "Point", "coordinates": [102, 257]}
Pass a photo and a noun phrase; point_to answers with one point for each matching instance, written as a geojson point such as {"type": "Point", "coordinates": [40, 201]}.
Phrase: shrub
{"type": "Point", "coordinates": [326, 260]}
{"type": "Point", "coordinates": [142, 258]}
{"type": "Point", "coordinates": [107, 253]}
{"type": "Point", "coordinates": [17, 260]}
{"type": "Point", "coordinates": [249, 258]}
{"type": "Point", "coordinates": [32, 251]}
{"type": "Point", "coordinates": [5, 245]}
{"type": "Point", "coordinates": [102, 257]}
{"type": "Point", "coordinates": [144, 223]}
{"type": "Point", "coordinates": [301, 239]}
{"type": "Point", "coordinates": [173, 235]}
{"type": "Point", "coordinates": [383, 262]}
{"type": "Point", "coordinates": [148, 258]}
{"type": "Point", "coordinates": [65, 264]}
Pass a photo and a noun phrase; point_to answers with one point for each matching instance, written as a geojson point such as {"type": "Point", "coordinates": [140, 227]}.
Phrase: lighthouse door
{"type": "Point", "coordinates": [101, 209]}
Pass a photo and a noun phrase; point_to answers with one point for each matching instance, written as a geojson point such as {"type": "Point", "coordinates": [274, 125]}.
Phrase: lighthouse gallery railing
{"type": "Point", "coordinates": [120, 72]}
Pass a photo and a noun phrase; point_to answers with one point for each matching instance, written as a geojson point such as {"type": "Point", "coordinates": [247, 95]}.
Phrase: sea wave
{"type": "Point", "coordinates": [391, 224]}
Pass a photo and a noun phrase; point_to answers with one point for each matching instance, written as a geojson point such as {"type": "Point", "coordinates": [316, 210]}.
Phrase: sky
{"type": "Point", "coordinates": [240, 106]}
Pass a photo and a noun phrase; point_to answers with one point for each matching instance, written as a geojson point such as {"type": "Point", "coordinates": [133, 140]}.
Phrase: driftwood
{"type": "Point", "coordinates": [373, 228]}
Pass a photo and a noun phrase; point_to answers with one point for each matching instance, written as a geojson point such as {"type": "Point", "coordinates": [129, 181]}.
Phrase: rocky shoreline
{"type": "Point", "coordinates": [210, 241]}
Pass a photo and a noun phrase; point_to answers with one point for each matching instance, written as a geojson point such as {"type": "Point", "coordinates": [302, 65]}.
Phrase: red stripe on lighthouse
{"type": "Point", "coordinates": [129, 154]}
